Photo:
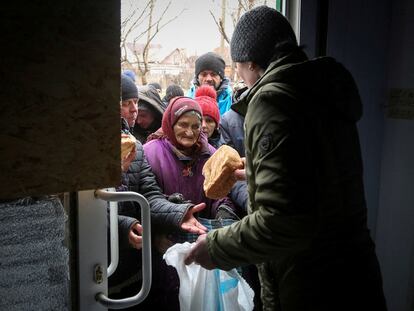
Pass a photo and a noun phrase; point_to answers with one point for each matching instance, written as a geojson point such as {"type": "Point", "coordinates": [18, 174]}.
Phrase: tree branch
{"type": "Point", "coordinates": [220, 27]}
{"type": "Point", "coordinates": [151, 30]}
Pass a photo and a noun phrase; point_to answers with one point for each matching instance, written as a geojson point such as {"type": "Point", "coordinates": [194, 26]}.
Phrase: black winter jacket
{"type": "Point", "coordinates": [232, 126]}
{"type": "Point", "coordinates": [139, 178]}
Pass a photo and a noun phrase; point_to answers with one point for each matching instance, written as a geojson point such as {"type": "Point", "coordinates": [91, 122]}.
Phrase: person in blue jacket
{"type": "Point", "coordinates": [209, 70]}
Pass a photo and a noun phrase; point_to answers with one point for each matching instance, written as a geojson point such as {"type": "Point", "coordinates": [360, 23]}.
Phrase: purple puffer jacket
{"type": "Point", "coordinates": [170, 170]}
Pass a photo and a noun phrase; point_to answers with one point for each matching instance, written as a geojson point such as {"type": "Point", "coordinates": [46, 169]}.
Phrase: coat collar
{"type": "Point", "coordinates": [276, 66]}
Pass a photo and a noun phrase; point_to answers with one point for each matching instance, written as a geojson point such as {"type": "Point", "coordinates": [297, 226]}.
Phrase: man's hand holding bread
{"type": "Point", "coordinates": [221, 172]}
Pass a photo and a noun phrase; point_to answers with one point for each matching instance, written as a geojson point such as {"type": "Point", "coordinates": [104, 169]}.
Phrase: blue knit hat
{"type": "Point", "coordinates": [130, 74]}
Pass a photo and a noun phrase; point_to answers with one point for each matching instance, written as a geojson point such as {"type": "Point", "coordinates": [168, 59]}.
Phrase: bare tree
{"type": "Point", "coordinates": [235, 14]}
{"type": "Point", "coordinates": [149, 26]}
{"type": "Point", "coordinates": [129, 24]}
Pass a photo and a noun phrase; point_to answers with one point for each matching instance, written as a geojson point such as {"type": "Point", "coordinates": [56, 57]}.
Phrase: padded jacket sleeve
{"type": "Point", "coordinates": [276, 228]}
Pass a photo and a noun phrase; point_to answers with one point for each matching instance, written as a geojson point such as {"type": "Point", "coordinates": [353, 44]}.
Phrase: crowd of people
{"type": "Point", "coordinates": [298, 212]}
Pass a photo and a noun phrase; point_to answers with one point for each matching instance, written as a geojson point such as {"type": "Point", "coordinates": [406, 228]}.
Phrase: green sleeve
{"type": "Point", "coordinates": [279, 224]}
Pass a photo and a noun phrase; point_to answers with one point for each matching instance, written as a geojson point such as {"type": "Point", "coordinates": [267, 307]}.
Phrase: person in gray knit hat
{"type": "Point", "coordinates": [209, 70]}
{"type": "Point", "coordinates": [129, 100]}
{"type": "Point", "coordinates": [307, 224]}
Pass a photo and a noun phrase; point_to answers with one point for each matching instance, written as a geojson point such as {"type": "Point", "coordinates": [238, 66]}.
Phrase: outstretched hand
{"type": "Point", "coordinates": [240, 174]}
{"type": "Point", "coordinates": [199, 254]}
{"type": "Point", "coordinates": [190, 223]}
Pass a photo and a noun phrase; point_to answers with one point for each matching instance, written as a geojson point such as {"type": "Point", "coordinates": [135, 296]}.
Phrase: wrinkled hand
{"type": "Point", "coordinates": [240, 174]}
{"type": "Point", "coordinates": [199, 254]}
{"type": "Point", "coordinates": [126, 162]}
{"type": "Point", "coordinates": [134, 236]}
{"type": "Point", "coordinates": [190, 223]}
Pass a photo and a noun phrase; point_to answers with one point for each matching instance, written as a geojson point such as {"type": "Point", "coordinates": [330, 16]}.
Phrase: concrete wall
{"type": "Point", "coordinates": [34, 269]}
{"type": "Point", "coordinates": [59, 132]}
{"type": "Point", "coordinates": [59, 115]}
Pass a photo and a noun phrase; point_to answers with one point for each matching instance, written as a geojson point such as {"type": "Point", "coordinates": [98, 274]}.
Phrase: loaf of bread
{"type": "Point", "coordinates": [127, 145]}
{"type": "Point", "coordinates": [219, 170]}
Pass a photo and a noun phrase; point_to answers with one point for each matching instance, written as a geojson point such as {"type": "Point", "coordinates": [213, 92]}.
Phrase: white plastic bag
{"type": "Point", "coordinates": [208, 290]}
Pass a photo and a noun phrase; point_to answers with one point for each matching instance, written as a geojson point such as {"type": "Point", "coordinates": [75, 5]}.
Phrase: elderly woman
{"type": "Point", "coordinates": [137, 176]}
{"type": "Point", "coordinates": [177, 154]}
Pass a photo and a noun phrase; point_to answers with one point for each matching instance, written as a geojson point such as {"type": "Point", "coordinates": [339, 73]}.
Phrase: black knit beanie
{"type": "Point", "coordinates": [258, 34]}
{"type": "Point", "coordinates": [210, 61]}
{"type": "Point", "coordinates": [128, 88]}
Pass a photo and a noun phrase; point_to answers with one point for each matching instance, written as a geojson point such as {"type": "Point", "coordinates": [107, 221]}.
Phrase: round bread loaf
{"type": "Point", "coordinates": [219, 170]}
{"type": "Point", "coordinates": [127, 144]}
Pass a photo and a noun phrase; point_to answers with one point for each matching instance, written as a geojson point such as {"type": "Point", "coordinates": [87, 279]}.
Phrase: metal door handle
{"type": "Point", "coordinates": [113, 242]}
{"type": "Point", "coordinates": [146, 249]}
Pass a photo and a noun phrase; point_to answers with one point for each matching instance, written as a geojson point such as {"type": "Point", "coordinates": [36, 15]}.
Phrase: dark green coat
{"type": "Point", "coordinates": [307, 222]}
